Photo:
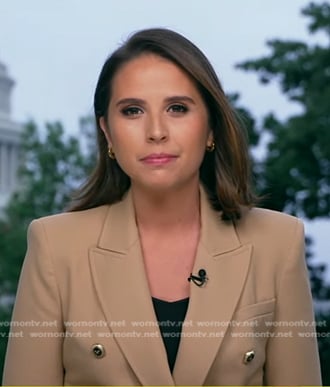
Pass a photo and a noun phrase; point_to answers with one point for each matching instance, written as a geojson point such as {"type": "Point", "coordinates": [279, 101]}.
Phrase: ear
{"type": "Point", "coordinates": [104, 126]}
{"type": "Point", "coordinates": [210, 138]}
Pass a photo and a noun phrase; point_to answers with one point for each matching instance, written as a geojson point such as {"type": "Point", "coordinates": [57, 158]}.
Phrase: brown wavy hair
{"type": "Point", "coordinates": [225, 172]}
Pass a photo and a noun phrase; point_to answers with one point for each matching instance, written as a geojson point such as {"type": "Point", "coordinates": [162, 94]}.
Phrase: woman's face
{"type": "Point", "coordinates": [157, 124]}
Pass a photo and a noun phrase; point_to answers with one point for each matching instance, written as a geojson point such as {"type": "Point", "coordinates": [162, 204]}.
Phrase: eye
{"type": "Point", "coordinates": [131, 111]}
{"type": "Point", "coordinates": [177, 108]}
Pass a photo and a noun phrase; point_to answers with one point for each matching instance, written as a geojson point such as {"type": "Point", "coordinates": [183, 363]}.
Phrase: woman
{"type": "Point", "coordinates": [163, 273]}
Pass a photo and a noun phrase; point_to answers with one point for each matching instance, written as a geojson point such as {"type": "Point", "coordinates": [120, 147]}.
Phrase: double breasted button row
{"type": "Point", "coordinates": [248, 357]}
{"type": "Point", "coordinates": [98, 351]}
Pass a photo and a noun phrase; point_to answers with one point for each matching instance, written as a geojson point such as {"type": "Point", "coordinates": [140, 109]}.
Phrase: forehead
{"type": "Point", "coordinates": [151, 69]}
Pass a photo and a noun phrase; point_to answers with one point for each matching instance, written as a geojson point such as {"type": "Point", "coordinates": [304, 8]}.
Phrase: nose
{"type": "Point", "coordinates": [157, 131]}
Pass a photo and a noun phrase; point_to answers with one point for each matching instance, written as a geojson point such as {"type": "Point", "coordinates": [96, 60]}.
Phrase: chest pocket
{"type": "Point", "coordinates": [243, 349]}
{"type": "Point", "coordinates": [253, 311]}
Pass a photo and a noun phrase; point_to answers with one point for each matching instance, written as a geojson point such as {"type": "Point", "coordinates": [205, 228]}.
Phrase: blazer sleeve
{"type": "Point", "coordinates": [292, 352]}
{"type": "Point", "coordinates": [35, 344]}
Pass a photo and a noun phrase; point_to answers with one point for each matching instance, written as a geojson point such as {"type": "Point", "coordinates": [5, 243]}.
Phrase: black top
{"type": "Point", "coordinates": [170, 316]}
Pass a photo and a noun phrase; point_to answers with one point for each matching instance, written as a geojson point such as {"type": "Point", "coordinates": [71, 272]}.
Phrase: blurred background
{"type": "Point", "coordinates": [272, 58]}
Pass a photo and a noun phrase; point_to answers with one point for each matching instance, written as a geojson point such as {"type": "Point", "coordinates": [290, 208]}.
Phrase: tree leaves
{"type": "Point", "coordinates": [52, 166]}
{"type": "Point", "coordinates": [294, 176]}
{"type": "Point", "coordinates": [296, 171]}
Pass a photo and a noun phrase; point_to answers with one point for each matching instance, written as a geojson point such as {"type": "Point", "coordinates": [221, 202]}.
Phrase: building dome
{"type": "Point", "coordinates": [9, 140]}
{"type": "Point", "coordinates": [6, 85]}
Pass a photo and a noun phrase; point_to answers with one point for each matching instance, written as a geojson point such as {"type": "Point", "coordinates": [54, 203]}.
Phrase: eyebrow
{"type": "Point", "coordinates": [130, 101]}
{"type": "Point", "coordinates": [138, 101]}
{"type": "Point", "coordinates": [176, 98]}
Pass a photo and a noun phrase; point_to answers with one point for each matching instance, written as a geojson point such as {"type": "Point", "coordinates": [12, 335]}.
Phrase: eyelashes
{"type": "Point", "coordinates": [133, 111]}
{"type": "Point", "coordinates": [177, 108]}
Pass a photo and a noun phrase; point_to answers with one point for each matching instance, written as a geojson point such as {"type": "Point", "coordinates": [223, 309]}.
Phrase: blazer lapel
{"type": "Point", "coordinates": [122, 288]}
{"type": "Point", "coordinates": [226, 262]}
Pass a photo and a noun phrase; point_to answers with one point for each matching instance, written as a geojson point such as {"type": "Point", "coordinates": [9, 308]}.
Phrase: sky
{"type": "Point", "coordinates": [54, 51]}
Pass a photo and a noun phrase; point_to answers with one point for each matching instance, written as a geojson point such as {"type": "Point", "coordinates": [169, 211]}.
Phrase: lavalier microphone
{"type": "Point", "coordinates": [199, 279]}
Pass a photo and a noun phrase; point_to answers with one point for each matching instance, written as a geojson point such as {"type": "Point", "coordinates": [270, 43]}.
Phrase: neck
{"type": "Point", "coordinates": [167, 210]}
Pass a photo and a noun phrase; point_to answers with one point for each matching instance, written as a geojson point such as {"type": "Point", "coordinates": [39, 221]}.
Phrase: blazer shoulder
{"type": "Point", "coordinates": [66, 237]}
{"type": "Point", "coordinates": [71, 228]}
{"type": "Point", "coordinates": [270, 218]}
{"type": "Point", "coordinates": [269, 226]}
{"type": "Point", "coordinates": [67, 219]}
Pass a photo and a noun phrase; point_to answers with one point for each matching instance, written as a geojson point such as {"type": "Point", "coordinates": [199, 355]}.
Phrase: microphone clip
{"type": "Point", "coordinates": [199, 280]}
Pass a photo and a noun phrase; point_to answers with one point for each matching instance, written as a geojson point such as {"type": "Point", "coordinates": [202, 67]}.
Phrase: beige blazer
{"type": "Point", "coordinates": [84, 314]}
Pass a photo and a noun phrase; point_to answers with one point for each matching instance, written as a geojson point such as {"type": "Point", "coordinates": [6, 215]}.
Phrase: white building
{"type": "Point", "coordinates": [9, 139]}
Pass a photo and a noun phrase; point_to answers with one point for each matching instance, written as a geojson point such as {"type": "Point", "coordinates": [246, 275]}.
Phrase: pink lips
{"type": "Point", "coordinates": [158, 159]}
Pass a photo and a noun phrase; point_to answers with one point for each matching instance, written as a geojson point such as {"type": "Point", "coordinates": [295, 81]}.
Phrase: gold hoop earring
{"type": "Point", "coordinates": [111, 153]}
{"type": "Point", "coordinates": [210, 148]}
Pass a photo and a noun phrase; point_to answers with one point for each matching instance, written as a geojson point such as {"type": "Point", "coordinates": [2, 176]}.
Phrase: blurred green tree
{"type": "Point", "coordinates": [299, 146]}
{"type": "Point", "coordinates": [298, 151]}
{"type": "Point", "coordinates": [295, 174]}
{"type": "Point", "coordinates": [53, 165]}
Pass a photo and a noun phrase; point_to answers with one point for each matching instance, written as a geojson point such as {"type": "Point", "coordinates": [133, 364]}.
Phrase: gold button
{"type": "Point", "coordinates": [248, 357]}
{"type": "Point", "coordinates": [98, 351]}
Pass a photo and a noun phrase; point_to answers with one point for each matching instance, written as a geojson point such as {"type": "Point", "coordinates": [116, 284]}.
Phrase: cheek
{"type": "Point", "coordinates": [195, 151]}
{"type": "Point", "coordinates": [125, 147]}
{"type": "Point", "coordinates": [119, 137]}
{"type": "Point", "coordinates": [197, 136]}
{"type": "Point", "coordinates": [125, 132]}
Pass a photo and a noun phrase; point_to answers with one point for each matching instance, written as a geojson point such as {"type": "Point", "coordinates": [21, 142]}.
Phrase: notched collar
{"type": "Point", "coordinates": [119, 231]}
{"type": "Point", "coordinates": [218, 236]}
